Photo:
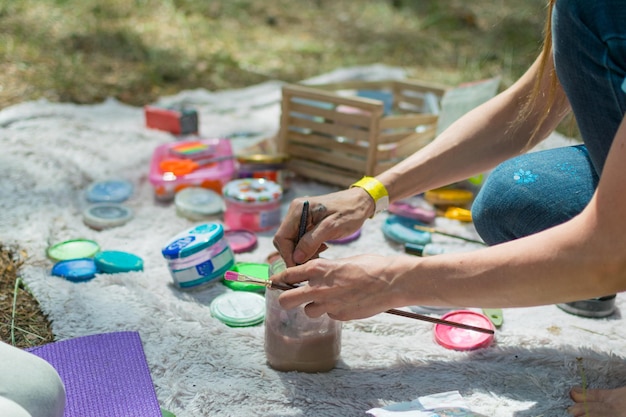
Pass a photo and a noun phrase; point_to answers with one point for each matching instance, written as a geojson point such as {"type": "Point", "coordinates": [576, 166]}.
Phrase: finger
{"type": "Point", "coordinates": [314, 310]}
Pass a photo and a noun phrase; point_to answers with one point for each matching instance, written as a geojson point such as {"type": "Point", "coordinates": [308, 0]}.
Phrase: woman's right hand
{"type": "Point", "coordinates": [331, 216]}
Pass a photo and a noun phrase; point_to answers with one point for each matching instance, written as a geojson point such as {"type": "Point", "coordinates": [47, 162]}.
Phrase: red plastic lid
{"type": "Point", "coordinates": [240, 240]}
{"type": "Point", "coordinates": [462, 339]}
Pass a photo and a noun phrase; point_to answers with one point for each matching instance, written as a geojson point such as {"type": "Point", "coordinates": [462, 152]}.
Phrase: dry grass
{"type": "Point", "coordinates": [84, 51]}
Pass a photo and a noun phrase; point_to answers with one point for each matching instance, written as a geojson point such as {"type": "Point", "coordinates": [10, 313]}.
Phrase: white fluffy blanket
{"type": "Point", "coordinates": [49, 154]}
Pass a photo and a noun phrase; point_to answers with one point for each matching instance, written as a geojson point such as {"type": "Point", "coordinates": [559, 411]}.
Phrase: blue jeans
{"type": "Point", "coordinates": [539, 190]}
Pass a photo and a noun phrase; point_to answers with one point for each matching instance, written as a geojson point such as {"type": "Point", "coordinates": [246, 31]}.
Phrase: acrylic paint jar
{"type": "Point", "coordinates": [252, 204]}
{"type": "Point", "coordinates": [296, 342]}
{"type": "Point", "coordinates": [198, 256]}
{"type": "Point", "coordinates": [272, 167]}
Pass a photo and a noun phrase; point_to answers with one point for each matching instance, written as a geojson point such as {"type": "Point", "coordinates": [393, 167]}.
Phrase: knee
{"type": "Point", "coordinates": [30, 383]}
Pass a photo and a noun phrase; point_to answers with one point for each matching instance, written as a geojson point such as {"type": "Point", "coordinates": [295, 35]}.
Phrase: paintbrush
{"type": "Point", "coordinates": [440, 232]}
{"type": "Point", "coordinates": [236, 276]}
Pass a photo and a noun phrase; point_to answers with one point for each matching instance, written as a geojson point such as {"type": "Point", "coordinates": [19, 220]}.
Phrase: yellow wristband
{"type": "Point", "coordinates": [376, 190]}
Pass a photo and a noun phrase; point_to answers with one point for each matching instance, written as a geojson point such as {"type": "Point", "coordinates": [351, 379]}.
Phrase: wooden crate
{"type": "Point", "coordinates": [338, 138]}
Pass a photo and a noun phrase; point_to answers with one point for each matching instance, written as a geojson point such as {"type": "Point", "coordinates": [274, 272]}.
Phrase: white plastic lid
{"type": "Point", "coordinates": [239, 308]}
{"type": "Point", "coordinates": [197, 202]}
{"type": "Point", "coordinates": [105, 215]}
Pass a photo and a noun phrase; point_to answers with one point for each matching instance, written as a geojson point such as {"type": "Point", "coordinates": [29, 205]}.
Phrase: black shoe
{"type": "Point", "coordinates": [594, 307]}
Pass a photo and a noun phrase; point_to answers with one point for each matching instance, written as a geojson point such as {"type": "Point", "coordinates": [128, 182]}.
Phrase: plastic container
{"type": "Point", "coordinates": [272, 167]}
{"type": "Point", "coordinates": [252, 204]}
{"type": "Point", "coordinates": [296, 342]}
{"type": "Point", "coordinates": [212, 176]}
{"type": "Point", "coordinates": [198, 256]}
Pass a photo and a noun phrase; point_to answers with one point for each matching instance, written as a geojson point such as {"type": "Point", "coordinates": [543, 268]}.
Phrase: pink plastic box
{"type": "Point", "coordinates": [212, 175]}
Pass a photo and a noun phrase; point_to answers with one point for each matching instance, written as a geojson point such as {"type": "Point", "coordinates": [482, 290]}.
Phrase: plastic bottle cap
{"type": "Point", "coordinates": [239, 309]}
{"type": "Point", "coordinates": [75, 270]}
{"type": "Point", "coordinates": [198, 202]}
{"type": "Point", "coordinates": [461, 339]}
{"type": "Point", "coordinates": [106, 215]}
{"type": "Point", "coordinates": [73, 249]}
{"type": "Point", "coordinates": [347, 239]}
{"type": "Point", "coordinates": [256, 270]}
{"type": "Point", "coordinates": [240, 240]}
{"type": "Point", "coordinates": [111, 262]}
{"type": "Point", "coordinates": [109, 191]}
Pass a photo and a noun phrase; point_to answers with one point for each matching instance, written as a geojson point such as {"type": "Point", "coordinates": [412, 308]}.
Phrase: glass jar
{"type": "Point", "coordinates": [294, 341]}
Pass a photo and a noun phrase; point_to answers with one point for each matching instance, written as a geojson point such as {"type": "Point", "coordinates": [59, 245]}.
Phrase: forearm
{"type": "Point", "coordinates": [478, 141]}
{"type": "Point", "coordinates": [566, 263]}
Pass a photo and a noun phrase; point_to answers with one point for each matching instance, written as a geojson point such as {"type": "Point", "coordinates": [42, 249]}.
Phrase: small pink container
{"type": "Point", "coordinates": [252, 204]}
{"type": "Point", "coordinates": [212, 176]}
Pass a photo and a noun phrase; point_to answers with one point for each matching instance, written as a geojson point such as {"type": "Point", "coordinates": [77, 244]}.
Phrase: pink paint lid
{"type": "Point", "coordinates": [347, 239]}
{"type": "Point", "coordinates": [240, 240]}
{"type": "Point", "coordinates": [462, 339]}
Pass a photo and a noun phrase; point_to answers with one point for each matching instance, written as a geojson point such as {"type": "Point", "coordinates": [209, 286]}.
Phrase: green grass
{"type": "Point", "coordinates": [84, 51]}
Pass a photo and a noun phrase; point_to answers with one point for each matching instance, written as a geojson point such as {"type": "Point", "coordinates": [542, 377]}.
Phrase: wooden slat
{"type": "Point", "coordinates": [334, 159]}
{"type": "Point", "coordinates": [322, 173]}
{"type": "Point", "coordinates": [359, 150]}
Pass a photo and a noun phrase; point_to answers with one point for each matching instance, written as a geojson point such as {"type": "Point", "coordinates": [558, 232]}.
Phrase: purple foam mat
{"type": "Point", "coordinates": [105, 375]}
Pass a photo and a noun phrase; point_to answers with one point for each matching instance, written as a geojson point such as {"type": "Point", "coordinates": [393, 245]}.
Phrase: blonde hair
{"type": "Point", "coordinates": [544, 59]}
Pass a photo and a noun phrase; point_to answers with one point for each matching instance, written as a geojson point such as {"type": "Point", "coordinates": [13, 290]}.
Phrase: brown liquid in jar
{"type": "Point", "coordinates": [296, 342]}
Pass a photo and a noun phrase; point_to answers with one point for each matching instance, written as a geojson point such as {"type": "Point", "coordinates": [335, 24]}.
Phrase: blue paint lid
{"type": "Point", "coordinates": [401, 230]}
{"type": "Point", "coordinates": [111, 262]}
{"type": "Point", "coordinates": [75, 270]}
{"type": "Point", "coordinates": [193, 240]}
{"type": "Point", "coordinates": [109, 191]}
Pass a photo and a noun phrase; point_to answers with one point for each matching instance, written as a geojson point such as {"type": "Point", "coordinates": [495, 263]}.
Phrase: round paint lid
{"type": "Point", "coordinates": [240, 240]}
{"type": "Point", "coordinates": [256, 270]}
{"type": "Point", "coordinates": [111, 262]}
{"type": "Point", "coordinates": [73, 249]}
{"type": "Point", "coordinates": [197, 202]}
{"type": "Point", "coordinates": [347, 239]}
{"type": "Point", "coordinates": [105, 215]}
{"type": "Point", "coordinates": [75, 270]}
{"type": "Point", "coordinates": [193, 240]}
{"type": "Point", "coordinates": [239, 308]}
{"type": "Point", "coordinates": [109, 191]}
{"type": "Point", "coordinates": [253, 190]}
{"type": "Point", "coordinates": [401, 230]}
{"type": "Point", "coordinates": [462, 339]}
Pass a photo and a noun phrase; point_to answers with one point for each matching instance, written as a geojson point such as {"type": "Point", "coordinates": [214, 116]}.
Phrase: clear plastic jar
{"type": "Point", "coordinates": [198, 256]}
{"type": "Point", "coordinates": [296, 342]}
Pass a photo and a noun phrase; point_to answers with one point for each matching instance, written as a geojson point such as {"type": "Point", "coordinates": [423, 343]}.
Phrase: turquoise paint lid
{"type": "Point", "coordinates": [401, 230]}
{"type": "Point", "coordinates": [111, 262]}
{"type": "Point", "coordinates": [193, 240]}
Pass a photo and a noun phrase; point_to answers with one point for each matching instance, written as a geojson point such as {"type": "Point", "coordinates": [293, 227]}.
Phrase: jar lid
{"type": "Point", "coordinates": [462, 339]}
{"type": "Point", "coordinates": [111, 262]}
{"type": "Point", "coordinates": [401, 230]}
{"type": "Point", "coordinates": [261, 158]}
{"type": "Point", "coordinates": [109, 191]}
{"type": "Point", "coordinates": [198, 202]}
{"type": "Point", "coordinates": [106, 215]}
{"type": "Point", "coordinates": [75, 270]}
{"type": "Point", "coordinates": [253, 190]}
{"type": "Point", "coordinates": [193, 240]}
{"type": "Point", "coordinates": [256, 270]}
{"type": "Point", "coordinates": [240, 240]}
{"type": "Point", "coordinates": [73, 249]}
{"type": "Point", "coordinates": [239, 309]}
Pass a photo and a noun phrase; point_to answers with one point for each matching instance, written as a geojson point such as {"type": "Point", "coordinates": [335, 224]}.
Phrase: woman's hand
{"type": "Point", "coordinates": [347, 288]}
{"type": "Point", "coordinates": [331, 216]}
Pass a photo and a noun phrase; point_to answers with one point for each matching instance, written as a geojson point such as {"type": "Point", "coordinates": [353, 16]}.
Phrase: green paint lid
{"type": "Point", "coordinates": [256, 270]}
{"type": "Point", "coordinates": [73, 249]}
{"type": "Point", "coordinates": [111, 262]}
{"type": "Point", "coordinates": [239, 308]}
